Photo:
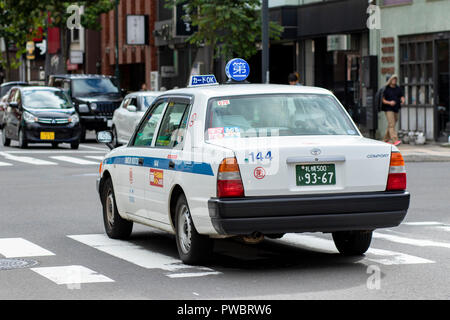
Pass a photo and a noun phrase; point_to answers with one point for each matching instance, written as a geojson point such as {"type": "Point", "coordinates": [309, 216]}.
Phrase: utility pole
{"type": "Point", "coordinates": [265, 41]}
{"type": "Point", "coordinates": [116, 26]}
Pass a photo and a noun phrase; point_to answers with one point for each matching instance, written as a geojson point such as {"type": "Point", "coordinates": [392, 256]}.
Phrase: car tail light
{"type": "Point", "coordinates": [397, 173]}
{"type": "Point", "coordinates": [229, 182]}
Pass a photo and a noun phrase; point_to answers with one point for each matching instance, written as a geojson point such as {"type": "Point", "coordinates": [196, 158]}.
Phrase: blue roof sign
{"type": "Point", "coordinates": [237, 69]}
{"type": "Point", "coordinates": [202, 80]}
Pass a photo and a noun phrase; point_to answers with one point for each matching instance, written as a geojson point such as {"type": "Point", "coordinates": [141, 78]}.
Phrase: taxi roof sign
{"type": "Point", "coordinates": [202, 80]}
{"type": "Point", "coordinates": [237, 69]}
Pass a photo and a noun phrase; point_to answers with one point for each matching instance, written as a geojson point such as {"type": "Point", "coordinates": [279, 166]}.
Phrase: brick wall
{"type": "Point", "coordinates": [128, 54]}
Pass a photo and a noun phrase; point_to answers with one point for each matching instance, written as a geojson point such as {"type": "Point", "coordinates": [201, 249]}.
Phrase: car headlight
{"type": "Point", "coordinates": [28, 117]}
{"type": "Point", "coordinates": [93, 106]}
{"type": "Point", "coordinates": [74, 118]}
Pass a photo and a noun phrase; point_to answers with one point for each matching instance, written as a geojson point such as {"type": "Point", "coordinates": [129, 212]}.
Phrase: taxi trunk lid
{"type": "Point", "coordinates": [310, 164]}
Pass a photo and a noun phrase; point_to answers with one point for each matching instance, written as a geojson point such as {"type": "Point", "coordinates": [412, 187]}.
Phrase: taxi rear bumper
{"type": "Point", "coordinates": [311, 213]}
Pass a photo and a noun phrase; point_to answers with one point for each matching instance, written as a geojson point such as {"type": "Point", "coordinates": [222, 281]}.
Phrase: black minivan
{"type": "Point", "coordinates": [40, 115]}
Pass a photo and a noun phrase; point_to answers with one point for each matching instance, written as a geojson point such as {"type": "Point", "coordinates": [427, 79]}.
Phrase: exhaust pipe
{"type": "Point", "coordinates": [254, 238]}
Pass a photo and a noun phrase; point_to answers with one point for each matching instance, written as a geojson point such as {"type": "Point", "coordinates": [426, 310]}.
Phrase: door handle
{"type": "Point", "coordinates": [171, 165]}
{"type": "Point", "coordinates": [141, 161]}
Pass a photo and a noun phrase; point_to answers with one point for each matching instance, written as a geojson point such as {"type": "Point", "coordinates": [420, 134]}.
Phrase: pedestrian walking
{"type": "Point", "coordinates": [392, 100]}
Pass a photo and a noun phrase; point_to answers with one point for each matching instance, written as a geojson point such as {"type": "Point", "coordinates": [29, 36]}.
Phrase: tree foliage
{"type": "Point", "coordinates": [20, 20]}
{"type": "Point", "coordinates": [231, 27]}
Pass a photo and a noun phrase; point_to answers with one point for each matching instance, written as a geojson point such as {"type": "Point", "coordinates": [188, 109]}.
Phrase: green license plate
{"type": "Point", "coordinates": [315, 174]}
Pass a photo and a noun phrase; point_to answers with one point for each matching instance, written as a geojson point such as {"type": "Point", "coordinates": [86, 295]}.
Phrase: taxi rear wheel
{"type": "Point", "coordinates": [352, 243]}
{"type": "Point", "coordinates": [115, 226]}
{"type": "Point", "coordinates": [193, 248]}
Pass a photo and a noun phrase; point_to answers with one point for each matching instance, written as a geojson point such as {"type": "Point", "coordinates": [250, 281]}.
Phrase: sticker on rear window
{"type": "Point", "coordinates": [232, 132]}
{"type": "Point", "coordinates": [223, 103]}
{"type": "Point", "coordinates": [215, 133]}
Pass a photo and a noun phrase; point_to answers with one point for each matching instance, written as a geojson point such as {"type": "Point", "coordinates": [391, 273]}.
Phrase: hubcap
{"type": "Point", "coordinates": [110, 209]}
{"type": "Point", "coordinates": [184, 230]}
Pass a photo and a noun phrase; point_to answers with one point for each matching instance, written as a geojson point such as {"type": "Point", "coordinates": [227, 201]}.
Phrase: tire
{"type": "Point", "coordinates": [83, 134]}
{"type": "Point", "coordinates": [115, 226]}
{"type": "Point", "coordinates": [23, 144]}
{"type": "Point", "coordinates": [352, 243]}
{"type": "Point", "coordinates": [193, 248]}
{"type": "Point", "coordinates": [6, 142]}
{"type": "Point", "coordinates": [75, 145]}
{"type": "Point", "coordinates": [115, 137]}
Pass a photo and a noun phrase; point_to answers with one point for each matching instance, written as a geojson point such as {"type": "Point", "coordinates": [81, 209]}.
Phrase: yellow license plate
{"type": "Point", "coordinates": [47, 136]}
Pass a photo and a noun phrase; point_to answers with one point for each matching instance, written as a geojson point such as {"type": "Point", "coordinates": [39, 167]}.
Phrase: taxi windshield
{"type": "Point", "coordinates": [277, 115]}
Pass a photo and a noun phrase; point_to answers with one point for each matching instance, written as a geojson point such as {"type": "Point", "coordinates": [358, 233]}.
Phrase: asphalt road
{"type": "Point", "coordinates": [50, 215]}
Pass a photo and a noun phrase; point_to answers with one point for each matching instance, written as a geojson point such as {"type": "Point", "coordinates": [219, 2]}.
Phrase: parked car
{"type": "Point", "coordinates": [5, 87]}
{"type": "Point", "coordinates": [95, 98]}
{"type": "Point", "coordinates": [40, 114]}
{"type": "Point", "coordinates": [4, 93]}
{"type": "Point", "coordinates": [3, 106]}
{"type": "Point", "coordinates": [127, 117]}
{"type": "Point", "coordinates": [248, 161]}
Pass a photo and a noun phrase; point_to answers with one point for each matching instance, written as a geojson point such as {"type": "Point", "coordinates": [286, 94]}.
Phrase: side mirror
{"type": "Point", "coordinates": [105, 137]}
{"type": "Point", "coordinates": [14, 105]}
{"type": "Point", "coordinates": [132, 108]}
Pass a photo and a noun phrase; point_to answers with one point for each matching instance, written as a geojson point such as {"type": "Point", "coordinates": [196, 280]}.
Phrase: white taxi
{"type": "Point", "coordinates": [251, 160]}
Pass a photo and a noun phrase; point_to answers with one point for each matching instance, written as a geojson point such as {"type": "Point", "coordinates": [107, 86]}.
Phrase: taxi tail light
{"type": "Point", "coordinates": [229, 181]}
{"type": "Point", "coordinates": [397, 173]}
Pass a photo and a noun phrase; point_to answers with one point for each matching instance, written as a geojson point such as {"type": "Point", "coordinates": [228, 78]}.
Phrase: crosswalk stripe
{"type": "Point", "coordinates": [423, 223]}
{"type": "Point", "coordinates": [5, 164]}
{"type": "Point", "coordinates": [385, 257]}
{"type": "Point", "coordinates": [74, 160]}
{"type": "Point", "coordinates": [410, 241]}
{"type": "Point", "coordinates": [138, 255]}
{"type": "Point", "coordinates": [19, 247]}
{"type": "Point", "coordinates": [95, 157]}
{"type": "Point", "coordinates": [71, 275]}
{"type": "Point", "coordinates": [28, 160]}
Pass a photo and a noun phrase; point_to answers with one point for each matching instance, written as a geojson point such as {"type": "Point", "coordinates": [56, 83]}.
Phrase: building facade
{"type": "Point", "coordinates": [413, 42]}
{"type": "Point", "coordinates": [137, 54]}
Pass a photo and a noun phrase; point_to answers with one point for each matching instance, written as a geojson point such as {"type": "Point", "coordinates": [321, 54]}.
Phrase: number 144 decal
{"type": "Point", "coordinates": [260, 156]}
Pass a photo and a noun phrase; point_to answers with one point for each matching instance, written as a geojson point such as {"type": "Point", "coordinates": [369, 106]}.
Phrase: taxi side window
{"type": "Point", "coordinates": [144, 136]}
{"type": "Point", "coordinates": [125, 103]}
{"type": "Point", "coordinates": [173, 126]}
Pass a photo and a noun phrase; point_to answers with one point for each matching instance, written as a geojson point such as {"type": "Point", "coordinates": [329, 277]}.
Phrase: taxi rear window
{"type": "Point", "coordinates": [276, 115]}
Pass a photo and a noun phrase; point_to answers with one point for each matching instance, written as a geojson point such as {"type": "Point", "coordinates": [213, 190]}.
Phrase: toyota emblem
{"type": "Point", "coordinates": [316, 152]}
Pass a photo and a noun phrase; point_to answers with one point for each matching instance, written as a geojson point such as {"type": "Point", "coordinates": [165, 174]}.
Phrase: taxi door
{"type": "Point", "coordinates": [134, 162]}
{"type": "Point", "coordinates": [164, 163]}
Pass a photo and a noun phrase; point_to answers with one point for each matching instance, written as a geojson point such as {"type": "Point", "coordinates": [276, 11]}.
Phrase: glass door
{"type": "Point", "coordinates": [443, 88]}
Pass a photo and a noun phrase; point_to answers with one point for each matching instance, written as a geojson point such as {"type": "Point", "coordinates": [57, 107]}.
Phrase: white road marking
{"type": "Point", "coordinates": [423, 223]}
{"type": "Point", "coordinates": [55, 151]}
{"type": "Point", "coordinates": [385, 257]}
{"type": "Point", "coordinates": [19, 247]}
{"type": "Point", "coordinates": [410, 241]}
{"type": "Point", "coordinates": [71, 275]}
{"type": "Point", "coordinates": [74, 160]}
{"type": "Point", "coordinates": [94, 148]}
{"type": "Point", "coordinates": [28, 160]}
{"type": "Point", "coordinates": [96, 157]}
{"type": "Point", "coordinates": [445, 228]}
{"type": "Point", "coordinates": [5, 164]}
{"type": "Point", "coordinates": [191, 275]}
{"type": "Point", "coordinates": [138, 255]}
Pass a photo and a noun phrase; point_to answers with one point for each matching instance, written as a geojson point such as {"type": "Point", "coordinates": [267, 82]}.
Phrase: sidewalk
{"type": "Point", "coordinates": [425, 153]}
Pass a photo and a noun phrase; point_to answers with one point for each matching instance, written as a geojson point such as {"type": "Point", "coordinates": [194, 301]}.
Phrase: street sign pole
{"type": "Point", "coordinates": [265, 41]}
{"type": "Point", "coordinates": [117, 71]}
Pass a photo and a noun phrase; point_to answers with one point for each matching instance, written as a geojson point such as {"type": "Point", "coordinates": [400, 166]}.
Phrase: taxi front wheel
{"type": "Point", "coordinates": [193, 248]}
{"type": "Point", "coordinates": [115, 226]}
{"type": "Point", "coordinates": [352, 243]}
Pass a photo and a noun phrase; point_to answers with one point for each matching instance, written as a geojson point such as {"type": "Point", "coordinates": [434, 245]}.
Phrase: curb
{"type": "Point", "coordinates": [425, 158]}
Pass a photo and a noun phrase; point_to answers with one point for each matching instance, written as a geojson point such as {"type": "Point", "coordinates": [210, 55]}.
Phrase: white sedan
{"type": "Point", "coordinates": [128, 115]}
{"type": "Point", "coordinates": [251, 160]}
